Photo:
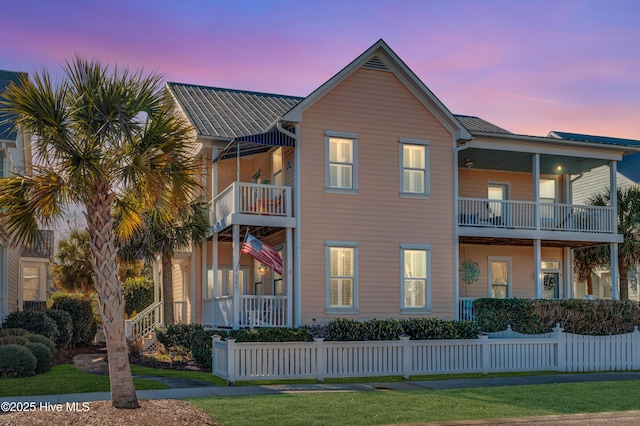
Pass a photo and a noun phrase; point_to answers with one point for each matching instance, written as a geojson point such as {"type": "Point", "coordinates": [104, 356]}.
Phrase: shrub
{"type": "Point", "coordinates": [433, 328]}
{"type": "Point", "coordinates": [344, 329]}
{"type": "Point", "coordinates": [138, 294]}
{"type": "Point", "coordinates": [270, 335]}
{"type": "Point", "coordinates": [36, 321]}
{"type": "Point", "coordinates": [16, 361]}
{"type": "Point", "coordinates": [65, 327]}
{"type": "Point", "coordinates": [82, 316]}
{"type": "Point", "coordinates": [37, 338]}
{"type": "Point", "coordinates": [497, 314]}
{"type": "Point", "coordinates": [13, 332]}
{"type": "Point", "coordinates": [42, 355]}
{"type": "Point", "coordinates": [177, 337]}
{"type": "Point", "coordinates": [201, 345]}
{"type": "Point", "coordinates": [15, 340]}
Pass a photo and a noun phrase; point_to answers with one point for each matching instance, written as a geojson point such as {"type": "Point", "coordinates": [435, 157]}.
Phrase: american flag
{"type": "Point", "coordinates": [262, 252]}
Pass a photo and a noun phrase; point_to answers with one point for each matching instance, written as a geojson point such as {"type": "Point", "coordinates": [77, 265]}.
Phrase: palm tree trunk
{"type": "Point", "coordinates": [167, 289]}
{"type": "Point", "coordinates": [99, 203]}
{"type": "Point", "coordinates": [623, 271]}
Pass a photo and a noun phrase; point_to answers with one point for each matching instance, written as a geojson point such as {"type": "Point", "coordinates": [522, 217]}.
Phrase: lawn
{"type": "Point", "coordinates": [368, 408]}
{"type": "Point", "coordinates": [64, 378]}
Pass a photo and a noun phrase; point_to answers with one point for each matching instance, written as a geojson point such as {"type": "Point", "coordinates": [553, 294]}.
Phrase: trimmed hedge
{"type": "Point", "coordinates": [342, 329]}
{"type": "Point", "coordinates": [201, 346]}
{"type": "Point", "coordinates": [36, 321]}
{"type": "Point", "coordinates": [16, 340]}
{"type": "Point", "coordinates": [38, 338]}
{"type": "Point", "coordinates": [588, 317]}
{"type": "Point", "coordinates": [81, 311]}
{"type": "Point", "coordinates": [13, 332]}
{"type": "Point", "coordinates": [65, 327]}
{"type": "Point", "coordinates": [433, 328]}
{"type": "Point", "coordinates": [16, 361]}
{"type": "Point", "coordinates": [42, 355]}
{"type": "Point", "coordinates": [177, 337]}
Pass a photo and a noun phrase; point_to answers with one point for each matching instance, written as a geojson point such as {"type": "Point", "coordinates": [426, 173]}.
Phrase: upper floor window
{"type": "Point", "coordinates": [341, 155]}
{"type": "Point", "coordinates": [548, 196]}
{"type": "Point", "coordinates": [414, 167]}
{"type": "Point", "coordinates": [415, 277]}
{"type": "Point", "coordinates": [342, 276]}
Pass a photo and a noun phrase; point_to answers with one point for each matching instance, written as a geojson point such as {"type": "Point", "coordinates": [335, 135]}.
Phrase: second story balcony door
{"type": "Point", "coordinates": [498, 211]}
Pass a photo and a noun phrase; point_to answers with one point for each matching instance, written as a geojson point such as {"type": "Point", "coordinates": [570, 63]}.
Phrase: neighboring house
{"type": "Point", "coordinates": [376, 196]}
{"type": "Point", "coordinates": [35, 278]}
{"type": "Point", "coordinates": [595, 181]}
{"type": "Point", "coordinates": [15, 156]}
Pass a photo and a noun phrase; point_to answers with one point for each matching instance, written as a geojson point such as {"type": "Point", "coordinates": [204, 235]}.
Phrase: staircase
{"type": "Point", "coordinates": [144, 323]}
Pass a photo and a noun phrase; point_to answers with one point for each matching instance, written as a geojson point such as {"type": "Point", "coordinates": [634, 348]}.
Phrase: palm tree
{"type": "Point", "coordinates": [97, 134]}
{"type": "Point", "coordinates": [72, 269]}
{"type": "Point", "coordinates": [628, 200]}
{"type": "Point", "coordinates": [165, 229]}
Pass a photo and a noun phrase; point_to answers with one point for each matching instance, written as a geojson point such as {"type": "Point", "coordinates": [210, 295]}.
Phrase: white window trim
{"type": "Point", "coordinates": [427, 180]}
{"type": "Point", "coordinates": [346, 310]}
{"type": "Point", "coordinates": [427, 290]}
{"type": "Point", "coordinates": [490, 277]}
{"type": "Point", "coordinates": [43, 273]}
{"type": "Point", "coordinates": [327, 174]}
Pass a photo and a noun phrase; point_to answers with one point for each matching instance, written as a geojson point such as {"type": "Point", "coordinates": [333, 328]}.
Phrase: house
{"type": "Point", "coordinates": [596, 181]}
{"type": "Point", "coordinates": [16, 265]}
{"type": "Point", "coordinates": [380, 201]}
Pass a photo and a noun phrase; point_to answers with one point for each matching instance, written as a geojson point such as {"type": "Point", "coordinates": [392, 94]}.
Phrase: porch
{"type": "Point", "coordinates": [255, 311]}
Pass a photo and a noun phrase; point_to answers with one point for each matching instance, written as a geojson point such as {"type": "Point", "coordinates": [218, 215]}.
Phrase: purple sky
{"type": "Point", "coordinates": [528, 66]}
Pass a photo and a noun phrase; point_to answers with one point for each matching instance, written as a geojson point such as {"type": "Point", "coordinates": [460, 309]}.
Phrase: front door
{"type": "Point", "coordinates": [551, 279]}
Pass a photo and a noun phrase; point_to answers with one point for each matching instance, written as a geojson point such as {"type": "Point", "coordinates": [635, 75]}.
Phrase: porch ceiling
{"type": "Point", "coordinates": [488, 159]}
{"type": "Point", "coordinates": [492, 241]}
{"type": "Point", "coordinates": [260, 232]}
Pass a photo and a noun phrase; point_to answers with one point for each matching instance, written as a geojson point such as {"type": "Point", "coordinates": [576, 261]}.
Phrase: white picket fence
{"type": "Point", "coordinates": [319, 359]}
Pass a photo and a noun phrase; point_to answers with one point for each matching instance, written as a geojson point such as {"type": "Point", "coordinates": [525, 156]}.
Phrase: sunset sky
{"type": "Point", "coordinates": [528, 66]}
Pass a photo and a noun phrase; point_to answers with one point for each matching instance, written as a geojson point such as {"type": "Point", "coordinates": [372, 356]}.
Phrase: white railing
{"type": "Point", "coordinates": [557, 351]}
{"type": "Point", "coordinates": [465, 305]}
{"type": "Point", "coordinates": [263, 311]}
{"type": "Point", "coordinates": [480, 212]}
{"type": "Point", "coordinates": [145, 322]}
{"type": "Point", "coordinates": [252, 198]}
{"type": "Point", "coordinates": [223, 311]}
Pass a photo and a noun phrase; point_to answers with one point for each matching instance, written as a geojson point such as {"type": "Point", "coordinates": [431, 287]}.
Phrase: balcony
{"type": "Point", "coordinates": [504, 218]}
{"type": "Point", "coordinates": [246, 203]}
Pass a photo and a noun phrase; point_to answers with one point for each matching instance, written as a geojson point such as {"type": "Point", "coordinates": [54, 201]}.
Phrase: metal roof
{"type": "Point", "coordinates": [6, 77]}
{"type": "Point", "coordinates": [476, 124]}
{"type": "Point", "coordinates": [43, 248]}
{"type": "Point", "coordinates": [630, 164]}
{"type": "Point", "coordinates": [227, 113]}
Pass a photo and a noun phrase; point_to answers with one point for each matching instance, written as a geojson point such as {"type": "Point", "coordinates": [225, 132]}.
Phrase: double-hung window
{"type": "Point", "coordinates": [415, 264]}
{"type": "Point", "coordinates": [341, 155]}
{"type": "Point", "coordinates": [342, 276]}
{"type": "Point", "coordinates": [414, 167]}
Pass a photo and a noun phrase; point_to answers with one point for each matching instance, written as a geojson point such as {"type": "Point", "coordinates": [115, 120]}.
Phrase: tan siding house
{"type": "Point", "coordinates": [377, 199]}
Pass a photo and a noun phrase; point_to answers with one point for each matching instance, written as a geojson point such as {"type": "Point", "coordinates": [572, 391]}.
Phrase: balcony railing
{"type": "Point", "coordinates": [255, 311]}
{"type": "Point", "coordinates": [254, 199]}
{"type": "Point", "coordinates": [478, 212]}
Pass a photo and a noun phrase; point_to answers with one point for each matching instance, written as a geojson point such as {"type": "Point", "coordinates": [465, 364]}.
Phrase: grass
{"type": "Point", "coordinates": [366, 408]}
{"type": "Point", "coordinates": [206, 377]}
{"type": "Point", "coordinates": [64, 378]}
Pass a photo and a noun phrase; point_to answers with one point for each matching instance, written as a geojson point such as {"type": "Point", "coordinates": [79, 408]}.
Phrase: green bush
{"type": "Point", "coordinates": [36, 321]}
{"type": "Point", "coordinates": [344, 329]}
{"type": "Point", "coordinates": [65, 327]}
{"type": "Point", "coordinates": [433, 328]}
{"type": "Point", "coordinates": [15, 340]}
{"type": "Point", "coordinates": [82, 316]}
{"type": "Point", "coordinates": [177, 337]}
{"type": "Point", "coordinates": [37, 338]}
{"type": "Point", "coordinates": [497, 314]}
{"type": "Point", "coordinates": [201, 345]}
{"type": "Point", "coordinates": [138, 294]}
{"type": "Point", "coordinates": [42, 355]}
{"type": "Point", "coordinates": [16, 361]}
{"type": "Point", "coordinates": [270, 335]}
{"type": "Point", "coordinates": [13, 332]}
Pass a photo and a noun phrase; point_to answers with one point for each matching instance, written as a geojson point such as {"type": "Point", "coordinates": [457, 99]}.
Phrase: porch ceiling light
{"type": "Point", "coordinates": [262, 269]}
{"type": "Point", "coordinates": [468, 163]}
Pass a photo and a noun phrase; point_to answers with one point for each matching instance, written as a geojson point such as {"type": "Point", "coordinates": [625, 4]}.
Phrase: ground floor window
{"type": "Point", "coordinates": [499, 277]}
{"type": "Point", "coordinates": [342, 277]}
{"type": "Point", "coordinates": [415, 276]}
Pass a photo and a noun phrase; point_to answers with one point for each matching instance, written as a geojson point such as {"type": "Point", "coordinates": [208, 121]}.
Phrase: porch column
{"type": "Point", "coordinates": [236, 286]}
{"type": "Point", "coordinates": [536, 190]}
{"type": "Point", "coordinates": [568, 273]}
{"type": "Point", "coordinates": [289, 275]}
{"type": "Point", "coordinates": [214, 266]}
{"type": "Point", "coordinates": [615, 277]}
{"type": "Point", "coordinates": [613, 184]}
{"type": "Point", "coordinates": [537, 269]}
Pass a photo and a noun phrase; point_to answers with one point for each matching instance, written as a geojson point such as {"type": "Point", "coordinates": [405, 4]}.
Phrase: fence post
{"type": "Point", "coordinates": [635, 349]}
{"type": "Point", "coordinates": [406, 356]}
{"type": "Point", "coordinates": [321, 358]}
{"type": "Point", "coordinates": [214, 339]}
{"type": "Point", "coordinates": [486, 354]}
{"type": "Point", "coordinates": [231, 361]}
{"type": "Point", "coordinates": [562, 347]}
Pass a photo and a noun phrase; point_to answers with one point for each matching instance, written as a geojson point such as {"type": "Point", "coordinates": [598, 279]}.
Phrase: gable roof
{"type": "Point", "coordinates": [6, 78]}
{"type": "Point", "coordinates": [228, 114]}
{"type": "Point", "coordinates": [381, 57]}
{"type": "Point", "coordinates": [630, 164]}
{"type": "Point", "coordinates": [476, 124]}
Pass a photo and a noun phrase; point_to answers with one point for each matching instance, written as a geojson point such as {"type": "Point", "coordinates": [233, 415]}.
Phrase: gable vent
{"type": "Point", "coordinates": [375, 63]}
